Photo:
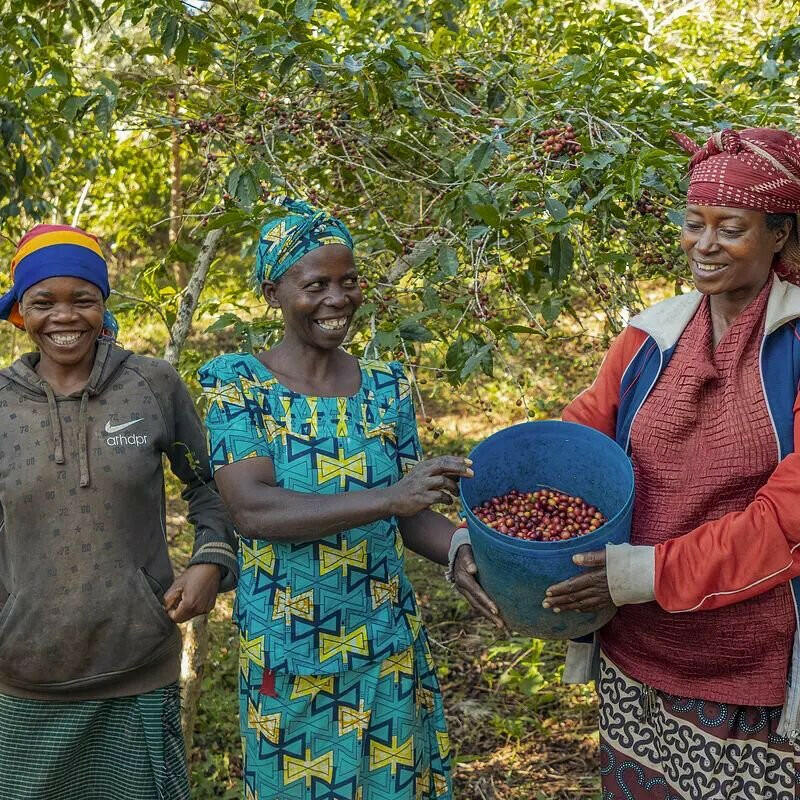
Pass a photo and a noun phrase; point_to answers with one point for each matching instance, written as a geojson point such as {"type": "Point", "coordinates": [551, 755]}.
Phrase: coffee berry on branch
{"type": "Point", "coordinates": [561, 139]}
{"type": "Point", "coordinates": [544, 515]}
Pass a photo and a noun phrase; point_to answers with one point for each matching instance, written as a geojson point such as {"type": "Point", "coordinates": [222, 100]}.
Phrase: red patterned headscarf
{"type": "Point", "coordinates": [755, 168]}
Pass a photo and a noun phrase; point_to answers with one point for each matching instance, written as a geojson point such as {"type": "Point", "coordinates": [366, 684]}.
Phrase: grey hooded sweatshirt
{"type": "Point", "coordinates": [83, 549]}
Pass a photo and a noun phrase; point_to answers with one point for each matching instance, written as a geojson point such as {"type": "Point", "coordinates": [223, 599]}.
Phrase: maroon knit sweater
{"type": "Point", "coordinates": [702, 445]}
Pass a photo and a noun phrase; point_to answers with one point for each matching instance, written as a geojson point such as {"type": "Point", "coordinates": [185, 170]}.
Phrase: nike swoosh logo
{"type": "Point", "coordinates": [114, 428]}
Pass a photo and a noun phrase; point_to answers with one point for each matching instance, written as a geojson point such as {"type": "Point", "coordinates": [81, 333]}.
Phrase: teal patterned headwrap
{"type": "Point", "coordinates": [285, 240]}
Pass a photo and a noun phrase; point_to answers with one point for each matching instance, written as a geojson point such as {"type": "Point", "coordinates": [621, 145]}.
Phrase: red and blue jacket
{"type": "Point", "coordinates": [746, 552]}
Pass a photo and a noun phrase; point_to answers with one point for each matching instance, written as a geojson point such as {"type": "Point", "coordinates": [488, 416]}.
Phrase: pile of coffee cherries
{"type": "Point", "coordinates": [544, 515]}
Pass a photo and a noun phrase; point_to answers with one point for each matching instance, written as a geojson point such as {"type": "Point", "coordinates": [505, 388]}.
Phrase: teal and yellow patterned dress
{"type": "Point", "coordinates": [338, 695]}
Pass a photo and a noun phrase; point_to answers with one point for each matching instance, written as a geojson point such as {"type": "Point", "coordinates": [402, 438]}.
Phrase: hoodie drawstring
{"type": "Point", "coordinates": [58, 434]}
{"type": "Point", "coordinates": [55, 423]}
{"type": "Point", "coordinates": [83, 435]}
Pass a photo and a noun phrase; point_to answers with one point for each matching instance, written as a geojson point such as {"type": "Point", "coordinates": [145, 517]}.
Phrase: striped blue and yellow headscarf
{"type": "Point", "coordinates": [56, 251]}
{"type": "Point", "coordinates": [285, 240]}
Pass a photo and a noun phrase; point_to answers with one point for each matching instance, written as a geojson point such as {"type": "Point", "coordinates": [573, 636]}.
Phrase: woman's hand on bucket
{"type": "Point", "coordinates": [586, 592]}
{"type": "Point", "coordinates": [465, 577]}
{"type": "Point", "coordinates": [432, 481]}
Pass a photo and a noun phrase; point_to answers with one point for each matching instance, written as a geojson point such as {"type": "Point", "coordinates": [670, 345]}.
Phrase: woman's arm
{"type": "Point", "coordinates": [215, 540]}
{"type": "Point", "coordinates": [213, 565]}
{"type": "Point", "coordinates": [262, 510]}
{"type": "Point", "coordinates": [428, 534]}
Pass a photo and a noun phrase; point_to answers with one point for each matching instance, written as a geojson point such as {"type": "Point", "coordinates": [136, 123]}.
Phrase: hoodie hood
{"type": "Point", "coordinates": [107, 361]}
{"type": "Point", "coordinates": [22, 374]}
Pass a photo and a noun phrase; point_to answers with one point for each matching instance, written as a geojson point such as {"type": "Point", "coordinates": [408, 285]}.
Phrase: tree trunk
{"type": "Point", "coordinates": [179, 271]}
{"type": "Point", "coordinates": [193, 663]}
{"type": "Point", "coordinates": [195, 632]}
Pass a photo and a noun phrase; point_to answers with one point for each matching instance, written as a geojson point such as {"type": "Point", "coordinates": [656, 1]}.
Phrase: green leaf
{"type": "Point", "coordinates": [496, 96]}
{"type": "Point", "coordinates": [561, 255]}
{"type": "Point", "coordinates": [169, 35]}
{"type": "Point", "coordinates": [486, 213]}
{"type": "Point", "coordinates": [60, 74]}
{"type": "Point", "coordinates": [229, 219]}
{"type": "Point", "coordinates": [523, 329]}
{"type": "Point", "coordinates": [590, 204]}
{"type": "Point", "coordinates": [556, 208]}
{"type": "Point", "coordinates": [448, 260]}
{"type": "Point", "coordinates": [20, 169]}
{"type": "Point", "coordinates": [181, 53]}
{"type": "Point", "coordinates": [675, 217]}
{"type": "Point", "coordinates": [482, 156]}
{"type": "Point", "coordinates": [412, 331]}
{"type": "Point", "coordinates": [596, 160]}
{"type": "Point", "coordinates": [769, 69]}
{"type": "Point", "coordinates": [111, 85]}
{"type": "Point", "coordinates": [185, 253]}
{"type": "Point", "coordinates": [384, 340]}
{"type": "Point", "coordinates": [242, 184]}
{"type": "Point", "coordinates": [304, 9]}
{"type": "Point", "coordinates": [551, 308]}
{"type": "Point", "coordinates": [353, 65]}
{"type": "Point", "coordinates": [225, 321]}
{"type": "Point", "coordinates": [481, 359]}
{"type": "Point", "coordinates": [72, 106]}
{"type": "Point", "coordinates": [103, 112]}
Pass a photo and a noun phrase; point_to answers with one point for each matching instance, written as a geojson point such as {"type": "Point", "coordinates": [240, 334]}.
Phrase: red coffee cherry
{"type": "Point", "coordinates": [544, 515]}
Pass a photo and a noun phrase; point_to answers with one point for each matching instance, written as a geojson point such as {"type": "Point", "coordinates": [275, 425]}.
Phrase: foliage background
{"type": "Point", "coordinates": [498, 264]}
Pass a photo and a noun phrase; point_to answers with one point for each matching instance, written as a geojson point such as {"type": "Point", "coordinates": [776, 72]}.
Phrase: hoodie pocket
{"type": "Point", "coordinates": [63, 640]}
{"type": "Point", "coordinates": [154, 594]}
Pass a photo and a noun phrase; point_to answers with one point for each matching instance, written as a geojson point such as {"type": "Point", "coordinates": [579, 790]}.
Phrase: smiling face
{"type": "Point", "coordinates": [64, 317]}
{"type": "Point", "coordinates": [318, 296]}
{"type": "Point", "coordinates": [730, 250]}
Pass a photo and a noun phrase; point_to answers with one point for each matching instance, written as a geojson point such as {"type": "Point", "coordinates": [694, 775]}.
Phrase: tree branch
{"type": "Point", "coordinates": [420, 252]}
{"type": "Point", "coordinates": [183, 321]}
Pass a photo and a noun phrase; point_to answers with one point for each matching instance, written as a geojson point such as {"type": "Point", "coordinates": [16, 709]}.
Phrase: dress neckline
{"type": "Point", "coordinates": [266, 370]}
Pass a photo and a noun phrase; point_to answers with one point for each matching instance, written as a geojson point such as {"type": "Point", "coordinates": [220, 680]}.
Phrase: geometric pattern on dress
{"type": "Point", "coordinates": [375, 733]}
{"type": "Point", "coordinates": [343, 601]}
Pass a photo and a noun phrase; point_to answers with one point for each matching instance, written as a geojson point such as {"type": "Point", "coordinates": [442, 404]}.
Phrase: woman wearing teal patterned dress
{"type": "Point", "coordinates": [316, 455]}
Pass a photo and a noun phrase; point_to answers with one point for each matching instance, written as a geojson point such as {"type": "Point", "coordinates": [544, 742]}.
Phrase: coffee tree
{"type": "Point", "coordinates": [497, 163]}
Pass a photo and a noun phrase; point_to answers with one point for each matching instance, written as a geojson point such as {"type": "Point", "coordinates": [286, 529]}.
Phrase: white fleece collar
{"type": "Point", "coordinates": [666, 321]}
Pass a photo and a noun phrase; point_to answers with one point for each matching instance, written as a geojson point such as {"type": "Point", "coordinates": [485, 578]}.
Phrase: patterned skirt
{"type": "Point", "coordinates": [375, 733]}
{"type": "Point", "coordinates": [658, 746]}
{"type": "Point", "coordinates": [126, 748]}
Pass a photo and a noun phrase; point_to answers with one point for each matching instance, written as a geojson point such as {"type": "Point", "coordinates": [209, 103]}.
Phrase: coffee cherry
{"type": "Point", "coordinates": [544, 515]}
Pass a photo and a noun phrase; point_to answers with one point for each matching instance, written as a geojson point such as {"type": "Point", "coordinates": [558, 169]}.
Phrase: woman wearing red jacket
{"type": "Point", "coordinates": [699, 671]}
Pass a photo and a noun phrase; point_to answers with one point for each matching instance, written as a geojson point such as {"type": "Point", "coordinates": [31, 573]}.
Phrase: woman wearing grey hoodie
{"type": "Point", "coordinates": [89, 646]}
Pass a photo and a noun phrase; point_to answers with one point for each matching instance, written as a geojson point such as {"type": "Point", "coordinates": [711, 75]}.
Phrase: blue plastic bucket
{"type": "Point", "coordinates": [563, 456]}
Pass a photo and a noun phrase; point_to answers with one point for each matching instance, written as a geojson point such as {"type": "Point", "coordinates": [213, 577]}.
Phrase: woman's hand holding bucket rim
{"type": "Point", "coordinates": [429, 482]}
